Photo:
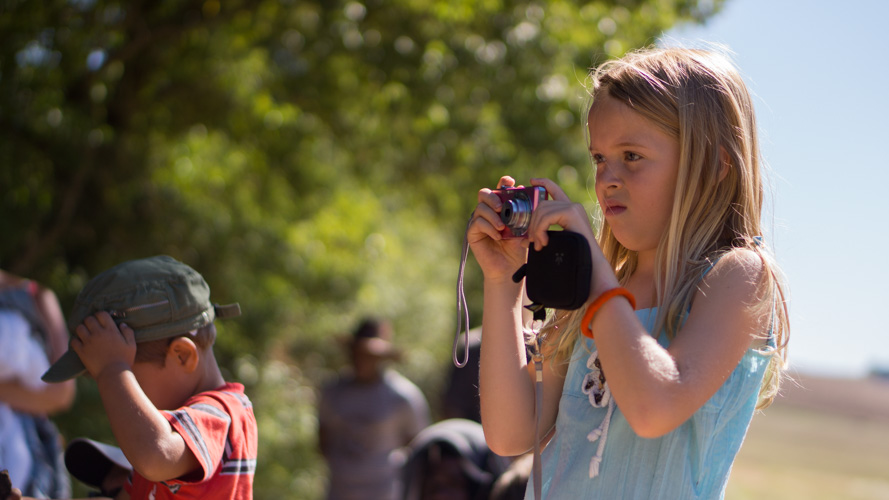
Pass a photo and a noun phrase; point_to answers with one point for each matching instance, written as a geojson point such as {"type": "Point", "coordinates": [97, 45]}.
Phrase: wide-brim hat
{"type": "Point", "coordinates": [372, 337]}
{"type": "Point", "coordinates": [376, 347]}
{"type": "Point", "coordinates": [158, 297]}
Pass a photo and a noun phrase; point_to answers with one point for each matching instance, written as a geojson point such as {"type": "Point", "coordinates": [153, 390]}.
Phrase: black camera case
{"type": "Point", "coordinates": [558, 276]}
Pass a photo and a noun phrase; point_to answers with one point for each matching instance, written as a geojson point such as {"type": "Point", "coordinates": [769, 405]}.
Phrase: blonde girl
{"type": "Point", "coordinates": [650, 389]}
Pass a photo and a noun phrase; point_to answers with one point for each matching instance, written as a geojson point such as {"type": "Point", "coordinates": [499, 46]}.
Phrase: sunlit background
{"type": "Point", "coordinates": [316, 160]}
{"type": "Point", "coordinates": [819, 70]}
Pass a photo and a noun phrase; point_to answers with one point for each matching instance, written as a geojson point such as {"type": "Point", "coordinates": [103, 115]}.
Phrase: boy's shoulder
{"type": "Point", "coordinates": [220, 429]}
{"type": "Point", "coordinates": [230, 394]}
{"type": "Point", "coordinates": [225, 409]}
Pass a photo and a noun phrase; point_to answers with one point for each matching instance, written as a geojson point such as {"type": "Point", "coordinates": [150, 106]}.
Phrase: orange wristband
{"type": "Point", "coordinates": [599, 302]}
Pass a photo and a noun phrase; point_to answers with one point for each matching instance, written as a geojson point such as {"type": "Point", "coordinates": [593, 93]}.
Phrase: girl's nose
{"type": "Point", "coordinates": [607, 175]}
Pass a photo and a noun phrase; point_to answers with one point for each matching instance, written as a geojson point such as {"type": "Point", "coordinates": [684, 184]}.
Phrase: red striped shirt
{"type": "Point", "coordinates": [220, 429]}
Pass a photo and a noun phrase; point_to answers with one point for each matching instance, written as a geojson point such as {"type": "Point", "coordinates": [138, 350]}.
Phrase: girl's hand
{"type": "Point", "coordinates": [559, 211]}
{"type": "Point", "coordinates": [100, 344]}
{"type": "Point", "coordinates": [498, 257]}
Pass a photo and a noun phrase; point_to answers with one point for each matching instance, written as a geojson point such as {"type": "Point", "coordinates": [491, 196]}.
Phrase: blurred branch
{"type": "Point", "coordinates": [39, 243]}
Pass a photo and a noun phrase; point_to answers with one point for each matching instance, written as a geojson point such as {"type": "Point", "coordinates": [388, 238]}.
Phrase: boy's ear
{"type": "Point", "coordinates": [184, 353]}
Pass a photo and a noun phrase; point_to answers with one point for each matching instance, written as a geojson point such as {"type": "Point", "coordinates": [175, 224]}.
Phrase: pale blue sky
{"type": "Point", "coordinates": [819, 71]}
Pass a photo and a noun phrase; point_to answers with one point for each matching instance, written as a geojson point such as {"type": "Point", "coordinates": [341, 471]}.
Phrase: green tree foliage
{"type": "Point", "coordinates": [315, 160]}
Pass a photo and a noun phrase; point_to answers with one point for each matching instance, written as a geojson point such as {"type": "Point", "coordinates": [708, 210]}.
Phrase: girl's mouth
{"type": "Point", "coordinates": [614, 209]}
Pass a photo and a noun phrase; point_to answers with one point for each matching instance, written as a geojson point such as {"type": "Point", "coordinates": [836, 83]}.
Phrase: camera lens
{"type": "Point", "coordinates": [516, 213]}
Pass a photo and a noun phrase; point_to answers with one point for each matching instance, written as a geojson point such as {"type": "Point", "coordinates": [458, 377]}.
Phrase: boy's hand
{"type": "Point", "coordinates": [102, 345]}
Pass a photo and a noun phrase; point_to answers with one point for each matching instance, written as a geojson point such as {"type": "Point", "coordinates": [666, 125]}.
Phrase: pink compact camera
{"type": "Point", "coordinates": [518, 203]}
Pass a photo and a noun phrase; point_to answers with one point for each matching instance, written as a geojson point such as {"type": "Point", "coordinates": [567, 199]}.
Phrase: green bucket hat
{"type": "Point", "coordinates": [158, 297]}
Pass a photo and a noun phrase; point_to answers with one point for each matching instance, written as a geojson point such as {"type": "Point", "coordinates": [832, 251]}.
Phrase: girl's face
{"type": "Point", "coordinates": [637, 164]}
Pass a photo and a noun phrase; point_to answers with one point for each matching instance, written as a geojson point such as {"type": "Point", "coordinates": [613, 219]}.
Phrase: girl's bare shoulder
{"type": "Point", "coordinates": [738, 263]}
{"type": "Point", "coordinates": [736, 277]}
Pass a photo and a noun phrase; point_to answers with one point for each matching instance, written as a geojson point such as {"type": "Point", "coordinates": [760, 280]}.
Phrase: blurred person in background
{"type": "Point", "coordinates": [511, 485]}
{"type": "Point", "coordinates": [450, 460]}
{"type": "Point", "coordinates": [32, 335]}
{"type": "Point", "coordinates": [366, 418]}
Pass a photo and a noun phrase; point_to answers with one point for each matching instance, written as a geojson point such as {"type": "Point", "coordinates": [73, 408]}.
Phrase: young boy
{"type": "Point", "coordinates": [144, 331]}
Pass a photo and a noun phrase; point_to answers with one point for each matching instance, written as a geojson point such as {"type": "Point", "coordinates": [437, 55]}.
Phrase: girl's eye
{"type": "Point", "coordinates": [597, 158]}
{"type": "Point", "coordinates": [631, 156]}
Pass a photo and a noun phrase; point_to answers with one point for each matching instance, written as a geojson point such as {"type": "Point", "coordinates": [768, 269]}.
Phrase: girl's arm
{"type": "Point", "coordinates": [658, 389]}
{"type": "Point", "coordinates": [506, 380]}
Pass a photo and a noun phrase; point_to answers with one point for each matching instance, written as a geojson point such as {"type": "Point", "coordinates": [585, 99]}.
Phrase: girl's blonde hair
{"type": "Point", "coordinates": [698, 97]}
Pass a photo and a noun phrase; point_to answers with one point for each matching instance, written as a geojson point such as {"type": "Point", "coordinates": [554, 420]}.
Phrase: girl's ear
{"type": "Point", "coordinates": [725, 163]}
{"type": "Point", "coordinates": [184, 353]}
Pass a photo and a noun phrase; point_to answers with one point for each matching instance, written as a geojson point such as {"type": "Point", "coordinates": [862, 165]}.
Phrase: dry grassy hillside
{"type": "Point", "coordinates": [822, 439]}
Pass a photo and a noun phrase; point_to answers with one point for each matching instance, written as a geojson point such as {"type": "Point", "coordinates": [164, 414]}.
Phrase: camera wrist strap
{"type": "Point", "coordinates": [462, 309]}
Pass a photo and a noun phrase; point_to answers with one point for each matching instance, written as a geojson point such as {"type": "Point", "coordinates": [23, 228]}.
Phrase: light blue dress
{"type": "Point", "coordinates": [691, 462]}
